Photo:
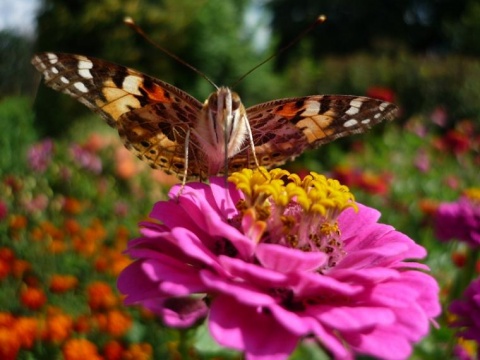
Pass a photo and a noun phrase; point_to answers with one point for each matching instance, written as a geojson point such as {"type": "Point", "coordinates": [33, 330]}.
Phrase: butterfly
{"type": "Point", "coordinates": [173, 131]}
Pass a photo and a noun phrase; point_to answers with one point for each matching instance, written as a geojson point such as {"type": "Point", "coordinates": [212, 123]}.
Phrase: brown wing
{"type": "Point", "coordinates": [152, 117]}
{"type": "Point", "coordinates": [283, 129]}
{"type": "Point", "coordinates": [157, 134]}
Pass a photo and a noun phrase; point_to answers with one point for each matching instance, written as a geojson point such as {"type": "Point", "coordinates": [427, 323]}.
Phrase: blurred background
{"type": "Point", "coordinates": [424, 51]}
{"type": "Point", "coordinates": [71, 195]}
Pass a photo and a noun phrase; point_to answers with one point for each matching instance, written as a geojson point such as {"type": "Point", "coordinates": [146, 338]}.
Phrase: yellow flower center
{"type": "Point", "coordinates": [294, 212]}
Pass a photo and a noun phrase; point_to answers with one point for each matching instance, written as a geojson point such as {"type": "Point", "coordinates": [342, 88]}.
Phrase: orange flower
{"type": "Point", "coordinates": [100, 296]}
{"type": "Point", "coordinates": [111, 260]}
{"type": "Point", "coordinates": [428, 206]}
{"type": "Point", "coordinates": [82, 324]}
{"type": "Point", "coordinates": [5, 269]}
{"type": "Point", "coordinates": [72, 206]}
{"type": "Point", "coordinates": [72, 226]}
{"type": "Point", "coordinates": [6, 319]}
{"type": "Point", "coordinates": [459, 259]}
{"type": "Point", "coordinates": [20, 267]}
{"type": "Point", "coordinates": [126, 166]}
{"type": "Point", "coordinates": [58, 328]}
{"type": "Point", "coordinates": [141, 351]}
{"type": "Point", "coordinates": [26, 329]}
{"type": "Point", "coordinates": [113, 350]}
{"type": "Point", "coordinates": [85, 245]}
{"type": "Point", "coordinates": [119, 262]}
{"type": "Point", "coordinates": [51, 230]}
{"type": "Point", "coordinates": [57, 246]}
{"type": "Point", "coordinates": [18, 222]}
{"type": "Point", "coordinates": [80, 349]}
{"type": "Point", "coordinates": [7, 254]}
{"type": "Point", "coordinates": [114, 322]}
{"type": "Point", "coordinates": [9, 345]}
{"type": "Point", "coordinates": [33, 298]}
{"type": "Point", "coordinates": [373, 183]}
{"type": "Point", "coordinates": [62, 283]}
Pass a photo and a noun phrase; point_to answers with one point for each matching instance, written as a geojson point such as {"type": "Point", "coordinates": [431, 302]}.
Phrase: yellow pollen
{"type": "Point", "coordinates": [315, 193]}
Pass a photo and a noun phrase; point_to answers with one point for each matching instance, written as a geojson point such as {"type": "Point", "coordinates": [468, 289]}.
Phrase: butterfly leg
{"type": "Point", "coordinates": [252, 145]}
{"type": "Point", "coordinates": [185, 168]}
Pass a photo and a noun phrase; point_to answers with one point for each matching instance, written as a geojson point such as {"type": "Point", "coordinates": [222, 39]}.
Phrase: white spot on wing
{"type": "Point", "coordinates": [352, 111]}
{"type": "Point", "coordinates": [54, 70]}
{"type": "Point", "coordinates": [131, 84]}
{"type": "Point", "coordinates": [383, 106]}
{"type": "Point", "coordinates": [85, 64]}
{"type": "Point", "coordinates": [312, 108]}
{"type": "Point", "coordinates": [356, 103]}
{"type": "Point", "coordinates": [64, 80]}
{"type": "Point", "coordinates": [80, 87]}
{"type": "Point", "coordinates": [52, 58]}
{"type": "Point", "coordinates": [365, 121]}
{"type": "Point", "coordinates": [355, 106]}
{"type": "Point", "coordinates": [85, 73]}
{"type": "Point", "coordinates": [349, 123]}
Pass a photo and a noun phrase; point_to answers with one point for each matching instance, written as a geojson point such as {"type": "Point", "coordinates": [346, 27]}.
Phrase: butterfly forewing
{"type": "Point", "coordinates": [151, 116]}
{"type": "Point", "coordinates": [155, 119]}
{"type": "Point", "coordinates": [283, 129]}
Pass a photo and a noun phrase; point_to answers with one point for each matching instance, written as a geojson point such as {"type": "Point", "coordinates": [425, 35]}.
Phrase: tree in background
{"type": "Point", "coordinates": [370, 25]}
{"type": "Point", "coordinates": [362, 44]}
{"type": "Point", "coordinates": [16, 72]}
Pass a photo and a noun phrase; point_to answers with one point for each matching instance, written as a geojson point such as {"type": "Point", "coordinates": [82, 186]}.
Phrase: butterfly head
{"type": "Point", "coordinates": [223, 125]}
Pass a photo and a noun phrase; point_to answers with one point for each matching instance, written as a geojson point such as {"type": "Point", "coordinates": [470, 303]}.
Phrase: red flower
{"type": "Point", "coordinates": [33, 298]}
{"type": "Point", "coordinates": [381, 93]}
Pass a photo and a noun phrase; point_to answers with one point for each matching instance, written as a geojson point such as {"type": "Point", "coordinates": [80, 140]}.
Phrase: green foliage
{"type": "Point", "coordinates": [16, 73]}
{"type": "Point", "coordinates": [18, 133]}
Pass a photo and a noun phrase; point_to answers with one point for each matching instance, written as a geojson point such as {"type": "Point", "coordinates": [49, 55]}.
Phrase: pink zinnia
{"type": "Point", "coordinates": [460, 220]}
{"type": "Point", "coordinates": [271, 263]}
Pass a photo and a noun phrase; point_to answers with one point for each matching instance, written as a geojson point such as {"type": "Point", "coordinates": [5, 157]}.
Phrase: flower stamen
{"type": "Point", "coordinates": [298, 213]}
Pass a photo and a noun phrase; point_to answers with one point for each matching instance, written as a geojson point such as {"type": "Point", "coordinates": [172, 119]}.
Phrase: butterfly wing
{"type": "Point", "coordinates": [283, 129]}
{"type": "Point", "coordinates": [152, 117]}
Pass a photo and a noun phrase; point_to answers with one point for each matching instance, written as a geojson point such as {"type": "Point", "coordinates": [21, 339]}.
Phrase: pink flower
{"type": "Point", "coordinates": [274, 263]}
{"type": "Point", "coordinates": [467, 311]}
{"type": "Point", "coordinates": [40, 155]}
{"type": "Point", "coordinates": [461, 219]}
{"type": "Point", "coordinates": [86, 159]}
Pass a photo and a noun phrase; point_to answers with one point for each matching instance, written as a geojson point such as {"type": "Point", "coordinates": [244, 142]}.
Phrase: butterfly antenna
{"type": "Point", "coordinates": [129, 22]}
{"type": "Point", "coordinates": [319, 20]}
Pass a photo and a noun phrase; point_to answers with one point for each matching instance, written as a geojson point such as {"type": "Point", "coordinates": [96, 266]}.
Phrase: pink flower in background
{"type": "Point", "coordinates": [40, 155]}
{"type": "Point", "coordinates": [439, 116]}
{"type": "Point", "coordinates": [460, 220]}
{"type": "Point", "coordinates": [37, 204]}
{"type": "Point", "coordinates": [275, 263]}
{"type": "Point", "coordinates": [86, 159]}
{"type": "Point", "coordinates": [467, 311]}
{"type": "Point", "coordinates": [422, 161]}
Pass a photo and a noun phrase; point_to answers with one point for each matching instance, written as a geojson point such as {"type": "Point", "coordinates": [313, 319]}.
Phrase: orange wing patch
{"type": "Point", "coordinates": [157, 94]}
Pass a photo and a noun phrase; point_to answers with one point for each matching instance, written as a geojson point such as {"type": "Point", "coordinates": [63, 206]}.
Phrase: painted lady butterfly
{"type": "Point", "coordinates": [173, 131]}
